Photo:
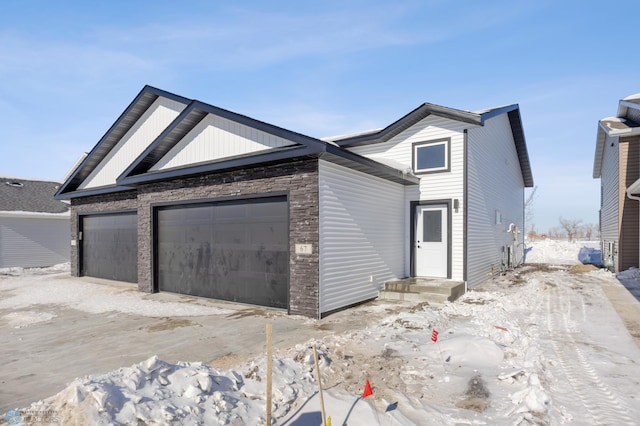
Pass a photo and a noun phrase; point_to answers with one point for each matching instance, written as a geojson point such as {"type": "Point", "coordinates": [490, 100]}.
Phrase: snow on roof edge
{"type": "Point", "coordinates": [28, 179]}
{"type": "Point", "coordinates": [25, 214]}
{"type": "Point", "coordinates": [350, 135]}
{"type": "Point", "coordinates": [632, 97]}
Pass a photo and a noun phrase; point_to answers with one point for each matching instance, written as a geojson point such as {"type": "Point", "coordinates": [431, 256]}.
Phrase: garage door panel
{"type": "Point", "coordinates": [233, 251]}
{"type": "Point", "coordinates": [110, 246]}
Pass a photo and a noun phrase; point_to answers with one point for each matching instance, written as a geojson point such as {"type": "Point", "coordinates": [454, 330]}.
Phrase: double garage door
{"type": "Point", "coordinates": [236, 251]}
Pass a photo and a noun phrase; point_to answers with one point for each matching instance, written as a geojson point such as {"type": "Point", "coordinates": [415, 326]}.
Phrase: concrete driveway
{"type": "Point", "coordinates": [55, 328]}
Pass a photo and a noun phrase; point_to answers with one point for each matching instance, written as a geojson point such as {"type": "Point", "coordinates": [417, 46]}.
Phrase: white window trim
{"type": "Point", "coordinates": [447, 156]}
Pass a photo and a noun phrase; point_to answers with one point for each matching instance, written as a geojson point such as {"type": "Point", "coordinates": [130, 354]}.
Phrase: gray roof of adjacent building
{"type": "Point", "coordinates": [625, 124]}
{"type": "Point", "coordinates": [29, 195]}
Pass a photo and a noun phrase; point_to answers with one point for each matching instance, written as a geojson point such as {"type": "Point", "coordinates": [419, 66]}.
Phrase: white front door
{"type": "Point", "coordinates": [431, 250]}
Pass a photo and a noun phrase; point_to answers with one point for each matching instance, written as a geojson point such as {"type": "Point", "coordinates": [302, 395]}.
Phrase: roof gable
{"type": "Point", "coordinates": [166, 157]}
{"type": "Point", "coordinates": [216, 138]}
{"type": "Point", "coordinates": [474, 118]}
{"type": "Point", "coordinates": [172, 151]}
{"type": "Point", "coordinates": [123, 125]}
{"type": "Point", "coordinates": [150, 124]}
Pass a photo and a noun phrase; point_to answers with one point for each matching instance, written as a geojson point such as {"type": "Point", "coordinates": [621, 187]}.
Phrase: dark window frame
{"type": "Point", "coordinates": [447, 156]}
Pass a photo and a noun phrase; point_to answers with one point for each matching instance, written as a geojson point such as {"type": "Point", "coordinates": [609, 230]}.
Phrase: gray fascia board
{"type": "Point", "coordinates": [366, 165]}
{"type": "Point", "coordinates": [497, 111]}
{"type": "Point", "coordinates": [410, 119]}
{"type": "Point", "coordinates": [260, 125]}
{"type": "Point", "coordinates": [455, 114]}
{"type": "Point", "coordinates": [148, 158]}
{"type": "Point", "coordinates": [164, 94]}
{"type": "Point", "coordinates": [515, 121]}
{"type": "Point", "coordinates": [89, 192]}
{"type": "Point", "coordinates": [99, 150]}
{"type": "Point", "coordinates": [152, 154]}
{"type": "Point", "coordinates": [601, 139]}
{"type": "Point", "coordinates": [219, 166]}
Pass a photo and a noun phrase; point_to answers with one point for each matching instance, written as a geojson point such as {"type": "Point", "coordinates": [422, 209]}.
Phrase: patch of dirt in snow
{"type": "Point", "coordinates": [21, 319]}
{"type": "Point", "coordinates": [170, 324]}
{"type": "Point", "coordinates": [476, 397]}
{"type": "Point", "coordinates": [582, 269]}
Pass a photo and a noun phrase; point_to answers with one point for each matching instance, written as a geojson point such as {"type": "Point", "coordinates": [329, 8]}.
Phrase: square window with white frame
{"type": "Point", "coordinates": [431, 156]}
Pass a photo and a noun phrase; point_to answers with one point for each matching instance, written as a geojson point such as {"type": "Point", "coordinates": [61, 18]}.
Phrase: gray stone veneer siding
{"type": "Point", "coordinates": [298, 178]}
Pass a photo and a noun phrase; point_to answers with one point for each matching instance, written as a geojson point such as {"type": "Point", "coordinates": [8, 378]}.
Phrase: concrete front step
{"type": "Point", "coordinates": [432, 298]}
{"type": "Point", "coordinates": [433, 290]}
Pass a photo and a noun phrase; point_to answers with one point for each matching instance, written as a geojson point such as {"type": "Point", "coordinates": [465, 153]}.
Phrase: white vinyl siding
{"type": "Point", "coordinates": [148, 127]}
{"type": "Point", "coordinates": [495, 188]}
{"type": "Point", "coordinates": [362, 242]}
{"type": "Point", "coordinates": [34, 242]}
{"type": "Point", "coordinates": [436, 186]}
{"type": "Point", "coordinates": [216, 138]}
{"type": "Point", "coordinates": [609, 201]}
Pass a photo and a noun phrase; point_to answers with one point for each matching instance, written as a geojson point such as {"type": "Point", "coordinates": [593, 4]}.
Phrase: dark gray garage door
{"type": "Point", "coordinates": [237, 251]}
{"type": "Point", "coordinates": [110, 246]}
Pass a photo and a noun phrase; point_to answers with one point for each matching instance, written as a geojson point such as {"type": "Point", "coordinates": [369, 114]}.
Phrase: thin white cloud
{"type": "Point", "coordinates": [314, 121]}
{"type": "Point", "coordinates": [236, 37]}
{"type": "Point", "coordinates": [22, 55]}
{"type": "Point", "coordinates": [250, 38]}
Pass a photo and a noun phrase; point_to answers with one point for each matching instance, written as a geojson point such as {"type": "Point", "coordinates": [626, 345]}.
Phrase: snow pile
{"type": "Point", "coordinates": [485, 360]}
{"type": "Point", "coordinates": [19, 271]}
{"type": "Point", "coordinates": [495, 362]}
{"type": "Point", "coordinates": [630, 276]}
{"type": "Point", "coordinates": [158, 392]}
{"type": "Point", "coordinates": [93, 298]}
{"type": "Point", "coordinates": [562, 252]}
{"type": "Point", "coordinates": [631, 280]}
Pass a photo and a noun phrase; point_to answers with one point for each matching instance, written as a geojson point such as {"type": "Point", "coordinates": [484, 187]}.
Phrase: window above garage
{"type": "Point", "coordinates": [432, 156]}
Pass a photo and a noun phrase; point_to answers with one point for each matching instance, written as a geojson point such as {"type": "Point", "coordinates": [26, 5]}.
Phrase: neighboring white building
{"type": "Point", "coordinates": [34, 227]}
{"type": "Point", "coordinates": [186, 197]}
{"type": "Point", "coordinates": [617, 165]}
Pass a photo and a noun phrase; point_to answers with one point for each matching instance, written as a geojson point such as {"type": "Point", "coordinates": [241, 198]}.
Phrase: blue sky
{"type": "Point", "coordinates": [69, 69]}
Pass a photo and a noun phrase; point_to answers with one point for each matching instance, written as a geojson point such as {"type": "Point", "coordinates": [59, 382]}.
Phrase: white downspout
{"type": "Point", "coordinates": [632, 197]}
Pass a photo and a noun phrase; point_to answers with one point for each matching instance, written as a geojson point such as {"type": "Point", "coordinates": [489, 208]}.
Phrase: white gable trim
{"type": "Point", "coordinates": [216, 138]}
{"type": "Point", "coordinates": [148, 127]}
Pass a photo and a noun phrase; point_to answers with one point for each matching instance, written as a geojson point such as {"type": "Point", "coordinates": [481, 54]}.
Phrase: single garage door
{"type": "Point", "coordinates": [236, 251]}
{"type": "Point", "coordinates": [110, 246]}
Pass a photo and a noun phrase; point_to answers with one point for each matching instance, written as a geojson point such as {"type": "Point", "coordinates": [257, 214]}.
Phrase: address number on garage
{"type": "Point", "coordinates": [304, 249]}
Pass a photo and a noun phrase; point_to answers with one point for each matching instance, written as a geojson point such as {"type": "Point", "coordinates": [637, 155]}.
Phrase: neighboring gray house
{"type": "Point", "coordinates": [34, 226]}
{"type": "Point", "coordinates": [185, 197]}
{"type": "Point", "coordinates": [617, 165]}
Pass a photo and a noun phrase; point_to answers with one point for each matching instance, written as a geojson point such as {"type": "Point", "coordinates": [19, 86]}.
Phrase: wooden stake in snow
{"type": "Point", "coordinates": [319, 379]}
{"type": "Point", "coordinates": [434, 339]}
{"type": "Point", "coordinates": [269, 373]}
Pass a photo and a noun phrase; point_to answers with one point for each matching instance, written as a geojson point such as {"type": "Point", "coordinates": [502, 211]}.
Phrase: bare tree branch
{"type": "Point", "coordinates": [571, 227]}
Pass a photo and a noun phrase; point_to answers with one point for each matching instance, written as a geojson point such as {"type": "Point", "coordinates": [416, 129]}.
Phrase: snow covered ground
{"type": "Point", "coordinates": [540, 345]}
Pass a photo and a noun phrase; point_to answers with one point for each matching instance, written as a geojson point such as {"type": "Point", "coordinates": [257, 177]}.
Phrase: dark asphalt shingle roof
{"type": "Point", "coordinates": [18, 194]}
